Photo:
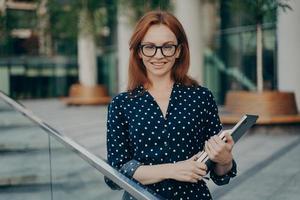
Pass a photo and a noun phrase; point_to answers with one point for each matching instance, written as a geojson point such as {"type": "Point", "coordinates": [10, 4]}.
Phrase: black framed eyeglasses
{"type": "Point", "coordinates": [167, 50]}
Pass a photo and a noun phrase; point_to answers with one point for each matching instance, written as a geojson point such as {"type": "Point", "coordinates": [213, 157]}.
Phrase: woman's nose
{"type": "Point", "coordinates": [159, 53]}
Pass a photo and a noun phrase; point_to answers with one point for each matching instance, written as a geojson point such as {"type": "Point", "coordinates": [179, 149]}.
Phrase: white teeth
{"type": "Point", "coordinates": [158, 64]}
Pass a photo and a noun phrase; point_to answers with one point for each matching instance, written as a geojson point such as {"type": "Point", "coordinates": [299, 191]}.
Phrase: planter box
{"type": "Point", "coordinates": [271, 106]}
{"type": "Point", "coordinates": [87, 95]}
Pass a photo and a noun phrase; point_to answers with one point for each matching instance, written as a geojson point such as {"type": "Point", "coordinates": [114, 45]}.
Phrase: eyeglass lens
{"type": "Point", "coordinates": [167, 50]}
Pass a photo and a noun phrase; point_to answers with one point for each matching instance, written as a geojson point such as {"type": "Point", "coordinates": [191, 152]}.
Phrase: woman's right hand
{"type": "Point", "coordinates": [188, 170]}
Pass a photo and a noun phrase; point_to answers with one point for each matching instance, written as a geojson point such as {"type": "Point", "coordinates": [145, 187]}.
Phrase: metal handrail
{"type": "Point", "coordinates": [124, 182]}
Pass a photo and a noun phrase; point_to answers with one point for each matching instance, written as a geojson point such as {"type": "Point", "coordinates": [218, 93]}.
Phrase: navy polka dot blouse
{"type": "Point", "coordinates": [138, 134]}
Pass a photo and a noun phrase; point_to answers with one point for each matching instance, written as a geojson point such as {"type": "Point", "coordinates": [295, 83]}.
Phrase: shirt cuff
{"type": "Point", "coordinates": [127, 169]}
{"type": "Point", "coordinates": [224, 179]}
{"type": "Point", "coordinates": [111, 184]}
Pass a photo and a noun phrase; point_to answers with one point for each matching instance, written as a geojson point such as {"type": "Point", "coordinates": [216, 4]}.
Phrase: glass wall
{"type": "Point", "coordinates": [33, 30]}
{"type": "Point", "coordinates": [232, 63]}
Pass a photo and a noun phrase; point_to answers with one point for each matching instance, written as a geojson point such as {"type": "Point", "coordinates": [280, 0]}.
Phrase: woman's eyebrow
{"type": "Point", "coordinates": [168, 42]}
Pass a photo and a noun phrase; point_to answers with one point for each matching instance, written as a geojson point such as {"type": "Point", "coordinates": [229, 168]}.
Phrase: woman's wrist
{"type": "Point", "coordinates": [227, 164]}
{"type": "Point", "coordinates": [168, 171]}
{"type": "Point", "coordinates": [222, 169]}
{"type": "Point", "coordinates": [149, 174]}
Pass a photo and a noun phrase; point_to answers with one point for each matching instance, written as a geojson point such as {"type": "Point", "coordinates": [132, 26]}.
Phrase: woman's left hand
{"type": "Point", "coordinates": [218, 150]}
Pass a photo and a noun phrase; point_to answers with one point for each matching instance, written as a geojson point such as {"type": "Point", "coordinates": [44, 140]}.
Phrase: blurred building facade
{"type": "Point", "coordinates": [288, 31]}
{"type": "Point", "coordinates": [221, 37]}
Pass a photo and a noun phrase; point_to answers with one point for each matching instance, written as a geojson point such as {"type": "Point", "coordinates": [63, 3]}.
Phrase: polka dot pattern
{"type": "Point", "coordinates": [139, 134]}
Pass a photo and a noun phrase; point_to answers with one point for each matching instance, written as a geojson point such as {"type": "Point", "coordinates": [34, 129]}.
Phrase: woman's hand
{"type": "Point", "coordinates": [188, 170]}
{"type": "Point", "coordinates": [218, 150]}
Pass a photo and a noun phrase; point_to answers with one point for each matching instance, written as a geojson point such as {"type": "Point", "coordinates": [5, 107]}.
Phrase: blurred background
{"type": "Point", "coordinates": [46, 46]}
{"type": "Point", "coordinates": [245, 51]}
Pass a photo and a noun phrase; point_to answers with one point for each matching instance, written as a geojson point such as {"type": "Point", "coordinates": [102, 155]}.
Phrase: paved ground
{"type": "Point", "coordinates": [268, 160]}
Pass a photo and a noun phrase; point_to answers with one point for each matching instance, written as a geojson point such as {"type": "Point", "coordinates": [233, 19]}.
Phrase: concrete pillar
{"type": "Point", "coordinates": [125, 29]}
{"type": "Point", "coordinates": [189, 14]}
{"type": "Point", "coordinates": [288, 33]}
{"type": "Point", "coordinates": [87, 60]}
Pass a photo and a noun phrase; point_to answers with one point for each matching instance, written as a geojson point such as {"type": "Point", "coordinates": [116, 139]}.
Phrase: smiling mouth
{"type": "Point", "coordinates": [158, 63]}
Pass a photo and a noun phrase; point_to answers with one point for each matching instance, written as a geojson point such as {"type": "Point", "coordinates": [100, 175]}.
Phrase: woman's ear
{"type": "Point", "coordinates": [140, 53]}
{"type": "Point", "coordinates": [178, 51]}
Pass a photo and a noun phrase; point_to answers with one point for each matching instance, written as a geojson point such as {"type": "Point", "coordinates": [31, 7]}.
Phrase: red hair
{"type": "Point", "coordinates": [137, 72]}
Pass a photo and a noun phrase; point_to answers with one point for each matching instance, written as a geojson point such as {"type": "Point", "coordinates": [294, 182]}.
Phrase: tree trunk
{"type": "Point", "coordinates": [86, 50]}
{"type": "Point", "coordinates": [259, 57]}
{"type": "Point", "coordinates": [45, 41]}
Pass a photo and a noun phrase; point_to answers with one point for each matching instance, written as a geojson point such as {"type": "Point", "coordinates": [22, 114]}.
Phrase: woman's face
{"type": "Point", "coordinates": [161, 63]}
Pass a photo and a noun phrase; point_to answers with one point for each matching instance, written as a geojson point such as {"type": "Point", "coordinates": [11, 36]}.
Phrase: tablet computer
{"type": "Point", "coordinates": [245, 123]}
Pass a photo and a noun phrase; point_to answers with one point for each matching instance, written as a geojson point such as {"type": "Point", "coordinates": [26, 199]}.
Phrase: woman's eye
{"type": "Point", "coordinates": [149, 47]}
{"type": "Point", "coordinates": [168, 47]}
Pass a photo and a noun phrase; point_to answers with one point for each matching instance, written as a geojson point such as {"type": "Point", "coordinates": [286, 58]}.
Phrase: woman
{"type": "Point", "coordinates": [157, 127]}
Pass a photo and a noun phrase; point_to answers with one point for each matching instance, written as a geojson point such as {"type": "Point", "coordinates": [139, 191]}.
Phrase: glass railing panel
{"type": "Point", "coordinates": [24, 157]}
{"type": "Point", "coordinates": [74, 178]}
{"type": "Point", "coordinates": [37, 162]}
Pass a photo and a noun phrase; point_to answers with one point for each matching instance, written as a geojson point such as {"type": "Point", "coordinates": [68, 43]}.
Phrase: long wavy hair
{"type": "Point", "coordinates": [137, 74]}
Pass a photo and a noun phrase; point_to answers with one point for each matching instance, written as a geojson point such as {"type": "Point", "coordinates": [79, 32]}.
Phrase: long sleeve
{"type": "Point", "coordinates": [214, 126]}
{"type": "Point", "coordinates": [119, 151]}
{"type": "Point", "coordinates": [212, 121]}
